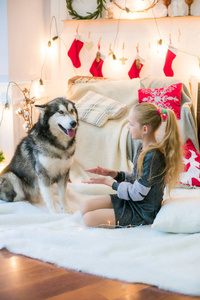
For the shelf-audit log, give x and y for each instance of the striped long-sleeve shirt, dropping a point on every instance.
(145, 193)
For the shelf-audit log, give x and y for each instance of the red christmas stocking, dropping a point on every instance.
(136, 67)
(74, 52)
(96, 67)
(171, 54)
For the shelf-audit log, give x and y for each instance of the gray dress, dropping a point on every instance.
(138, 200)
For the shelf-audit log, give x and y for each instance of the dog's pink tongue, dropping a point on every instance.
(71, 132)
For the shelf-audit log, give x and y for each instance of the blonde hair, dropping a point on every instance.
(170, 145)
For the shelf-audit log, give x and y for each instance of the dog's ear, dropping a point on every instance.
(70, 106)
(42, 108)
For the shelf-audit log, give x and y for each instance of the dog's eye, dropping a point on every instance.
(61, 112)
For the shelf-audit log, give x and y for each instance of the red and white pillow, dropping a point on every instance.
(191, 160)
(166, 97)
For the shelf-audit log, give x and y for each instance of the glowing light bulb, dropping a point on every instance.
(41, 86)
(2, 166)
(55, 38)
(161, 47)
(42, 89)
(114, 56)
(140, 5)
(7, 106)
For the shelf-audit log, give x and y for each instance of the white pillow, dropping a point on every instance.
(96, 109)
(179, 216)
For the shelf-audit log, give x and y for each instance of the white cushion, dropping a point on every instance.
(96, 109)
(179, 216)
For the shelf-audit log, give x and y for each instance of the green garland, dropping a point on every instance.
(1, 156)
(94, 15)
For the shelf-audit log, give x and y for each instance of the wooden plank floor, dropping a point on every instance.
(23, 278)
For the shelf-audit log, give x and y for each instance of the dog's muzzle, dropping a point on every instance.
(70, 131)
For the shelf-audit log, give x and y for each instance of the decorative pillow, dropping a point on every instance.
(166, 97)
(191, 160)
(179, 216)
(96, 109)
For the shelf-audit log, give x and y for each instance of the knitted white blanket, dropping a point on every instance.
(140, 254)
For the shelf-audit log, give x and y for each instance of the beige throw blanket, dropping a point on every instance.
(105, 146)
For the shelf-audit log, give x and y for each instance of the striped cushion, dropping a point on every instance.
(96, 109)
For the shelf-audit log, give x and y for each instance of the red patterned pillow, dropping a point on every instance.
(191, 160)
(166, 97)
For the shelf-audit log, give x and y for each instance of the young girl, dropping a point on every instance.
(140, 193)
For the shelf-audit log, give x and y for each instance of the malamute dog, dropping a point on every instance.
(43, 157)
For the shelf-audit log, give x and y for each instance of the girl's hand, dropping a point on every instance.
(99, 180)
(103, 171)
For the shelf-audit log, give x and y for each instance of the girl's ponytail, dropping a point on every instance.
(172, 145)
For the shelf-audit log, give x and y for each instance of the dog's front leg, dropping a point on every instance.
(47, 196)
(62, 186)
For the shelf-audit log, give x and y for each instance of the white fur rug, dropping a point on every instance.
(169, 261)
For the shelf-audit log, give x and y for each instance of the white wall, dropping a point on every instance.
(3, 42)
(27, 35)
(24, 32)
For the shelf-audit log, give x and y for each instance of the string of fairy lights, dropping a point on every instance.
(78, 226)
(160, 40)
(128, 10)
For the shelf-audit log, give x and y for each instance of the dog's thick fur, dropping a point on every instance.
(43, 157)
